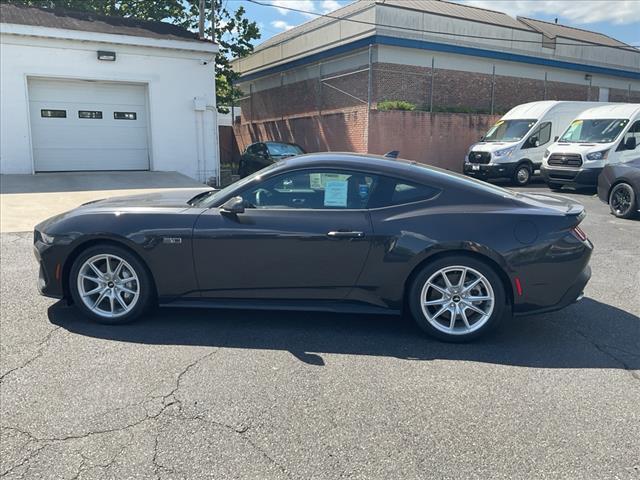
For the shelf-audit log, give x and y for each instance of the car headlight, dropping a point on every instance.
(546, 153)
(505, 152)
(601, 155)
(48, 239)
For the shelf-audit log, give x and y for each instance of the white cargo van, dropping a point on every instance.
(514, 146)
(598, 136)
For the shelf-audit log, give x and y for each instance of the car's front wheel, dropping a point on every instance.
(622, 201)
(110, 285)
(457, 298)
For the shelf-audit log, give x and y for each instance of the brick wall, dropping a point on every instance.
(439, 139)
(452, 90)
(338, 131)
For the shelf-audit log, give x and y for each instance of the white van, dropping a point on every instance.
(514, 146)
(598, 136)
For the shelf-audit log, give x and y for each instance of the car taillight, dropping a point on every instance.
(579, 234)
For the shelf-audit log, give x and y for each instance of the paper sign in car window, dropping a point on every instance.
(335, 193)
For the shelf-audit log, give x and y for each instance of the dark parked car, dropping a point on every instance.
(262, 154)
(619, 186)
(333, 232)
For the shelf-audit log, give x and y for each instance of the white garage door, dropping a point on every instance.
(88, 125)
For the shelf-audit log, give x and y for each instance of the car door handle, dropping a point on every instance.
(343, 234)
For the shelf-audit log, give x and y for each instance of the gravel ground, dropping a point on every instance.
(232, 394)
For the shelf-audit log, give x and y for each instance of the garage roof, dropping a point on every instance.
(91, 22)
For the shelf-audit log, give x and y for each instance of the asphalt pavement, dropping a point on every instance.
(189, 394)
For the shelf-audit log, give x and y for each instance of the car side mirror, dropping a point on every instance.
(482, 138)
(555, 139)
(630, 143)
(233, 206)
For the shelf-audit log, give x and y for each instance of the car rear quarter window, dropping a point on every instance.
(393, 191)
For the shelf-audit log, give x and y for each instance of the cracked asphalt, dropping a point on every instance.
(188, 394)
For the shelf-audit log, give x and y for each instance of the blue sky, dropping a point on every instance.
(617, 18)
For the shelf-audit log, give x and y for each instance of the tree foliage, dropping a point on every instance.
(233, 31)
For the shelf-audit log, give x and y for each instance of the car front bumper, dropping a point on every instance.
(50, 268)
(483, 172)
(576, 178)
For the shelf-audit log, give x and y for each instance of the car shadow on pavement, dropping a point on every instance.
(589, 334)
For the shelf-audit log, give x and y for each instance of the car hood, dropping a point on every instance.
(491, 146)
(163, 199)
(580, 148)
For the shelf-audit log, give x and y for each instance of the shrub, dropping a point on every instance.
(396, 105)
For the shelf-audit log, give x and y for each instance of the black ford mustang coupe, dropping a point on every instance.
(334, 232)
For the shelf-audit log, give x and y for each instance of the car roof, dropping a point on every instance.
(615, 111)
(357, 161)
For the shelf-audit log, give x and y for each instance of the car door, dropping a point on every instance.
(537, 142)
(302, 235)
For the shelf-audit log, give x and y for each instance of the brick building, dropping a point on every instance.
(320, 84)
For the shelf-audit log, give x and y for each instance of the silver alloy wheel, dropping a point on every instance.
(457, 300)
(108, 285)
(522, 175)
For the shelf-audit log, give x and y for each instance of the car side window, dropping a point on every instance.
(312, 189)
(542, 135)
(393, 191)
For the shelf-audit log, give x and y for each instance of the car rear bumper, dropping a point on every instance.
(483, 172)
(573, 294)
(576, 178)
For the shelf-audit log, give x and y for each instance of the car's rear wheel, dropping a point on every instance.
(622, 201)
(522, 175)
(457, 298)
(110, 285)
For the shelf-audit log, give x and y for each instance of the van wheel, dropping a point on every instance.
(622, 201)
(457, 299)
(522, 175)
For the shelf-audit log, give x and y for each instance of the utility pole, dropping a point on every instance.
(201, 19)
(213, 19)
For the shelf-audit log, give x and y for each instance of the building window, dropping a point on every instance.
(53, 113)
(124, 115)
(89, 114)
(548, 42)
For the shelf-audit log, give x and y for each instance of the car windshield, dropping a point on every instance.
(282, 149)
(509, 130)
(209, 198)
(604, 130)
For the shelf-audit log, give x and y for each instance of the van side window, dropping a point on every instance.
(631, 140)
(542, 134)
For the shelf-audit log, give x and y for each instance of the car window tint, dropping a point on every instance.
(312, 189)
(392, 191)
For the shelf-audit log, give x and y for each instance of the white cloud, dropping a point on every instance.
(329, 6)
(281, 25)
(304, 5)
(312, 6)
(578, 11)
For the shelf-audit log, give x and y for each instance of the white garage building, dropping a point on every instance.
(81, 92)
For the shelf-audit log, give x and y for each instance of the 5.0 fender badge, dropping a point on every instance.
(171, 240)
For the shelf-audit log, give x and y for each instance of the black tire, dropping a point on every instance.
(623, 201)
(497, 312)
(145, 288)
(556, 187)
(522, 174)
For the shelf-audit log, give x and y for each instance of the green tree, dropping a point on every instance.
(233, 31)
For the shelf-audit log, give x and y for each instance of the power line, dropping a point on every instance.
(460, 35)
